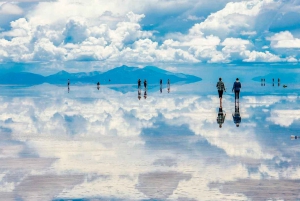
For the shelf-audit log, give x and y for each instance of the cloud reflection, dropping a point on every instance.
(93, 143)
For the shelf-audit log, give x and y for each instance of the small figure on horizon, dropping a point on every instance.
(221, 87)
(273, 79)
(278, 80)
(98, 85)
(169, 85)
(236, 89)
(109, 80)
(139, 83)
(221, 117)
(160, 83)
(68, 85)
(284, 86)
(145, 84)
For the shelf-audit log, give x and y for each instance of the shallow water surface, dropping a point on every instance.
(107, 144)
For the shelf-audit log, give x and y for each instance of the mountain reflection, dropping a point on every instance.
(109, 145)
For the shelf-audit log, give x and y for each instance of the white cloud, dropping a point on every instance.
(284, 117)
(114, 34)
(10, 9)
(255, 56)
(284, 39)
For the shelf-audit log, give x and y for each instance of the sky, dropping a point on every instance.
(157, 32)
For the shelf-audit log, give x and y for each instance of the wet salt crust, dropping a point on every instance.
(107, 144)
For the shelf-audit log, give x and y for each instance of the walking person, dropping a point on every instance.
(98, 85)
(221, 87)
(236, 89)
(139, 83)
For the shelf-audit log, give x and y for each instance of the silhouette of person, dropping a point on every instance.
(145, 84)
(221, 87)
(68, 89)
(237, 116)
(145, 94)
(236, 88)
(98, 85)
(221, 117)
(278, 80)
(139, 94)
(139, 83)
(160, 82)
(169, 85)
(68, 82)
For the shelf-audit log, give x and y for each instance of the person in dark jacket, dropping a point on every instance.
(221, 88)
(139, 83)
(236, 89)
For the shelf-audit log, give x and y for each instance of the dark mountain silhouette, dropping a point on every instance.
(118, 75)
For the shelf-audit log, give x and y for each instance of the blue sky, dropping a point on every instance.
(159, 32)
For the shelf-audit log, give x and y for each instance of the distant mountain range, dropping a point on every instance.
(118, 75)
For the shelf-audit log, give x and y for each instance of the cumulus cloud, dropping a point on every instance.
(116, 34)
(11, 9)
(284, 39)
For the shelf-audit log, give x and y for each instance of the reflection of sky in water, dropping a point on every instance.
(109, 145)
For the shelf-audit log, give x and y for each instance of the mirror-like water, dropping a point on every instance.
(107, 144)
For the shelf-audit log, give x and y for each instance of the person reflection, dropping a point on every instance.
(139, 94)
(160, 89)
(68, 89)
(221, 117)
(145, 94)
(169, 86)
(236, 115)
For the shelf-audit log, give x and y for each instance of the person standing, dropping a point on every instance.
(236, 89)
(221, 87)
(139, 83)
(145, 84)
